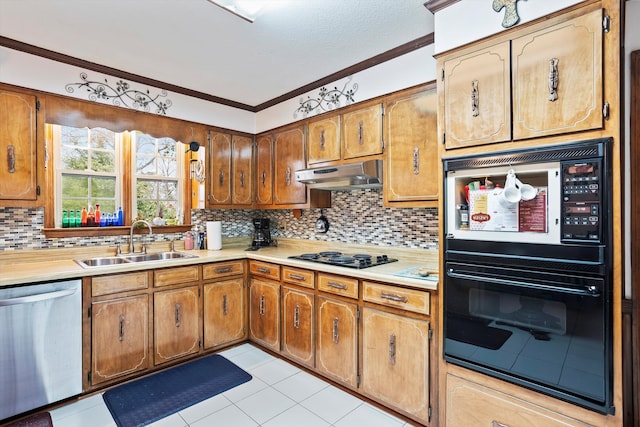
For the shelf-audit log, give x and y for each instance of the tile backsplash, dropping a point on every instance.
(356, 217)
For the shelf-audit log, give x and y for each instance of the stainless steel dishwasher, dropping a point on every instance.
(40, 345)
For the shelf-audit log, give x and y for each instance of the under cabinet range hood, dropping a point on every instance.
(348, 176)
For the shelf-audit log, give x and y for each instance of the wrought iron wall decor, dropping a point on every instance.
(122, 94)
(326, 100)
(511, 17)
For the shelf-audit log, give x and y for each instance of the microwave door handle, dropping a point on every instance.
(589, 291)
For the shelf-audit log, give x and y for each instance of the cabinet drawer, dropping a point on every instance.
(298, 277)
(264, 269)
(222, 269)
(104, 285)
(393, 296)
(471, 404)
(176, 275)
(345, 286)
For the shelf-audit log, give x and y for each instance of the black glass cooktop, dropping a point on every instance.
(346, 260)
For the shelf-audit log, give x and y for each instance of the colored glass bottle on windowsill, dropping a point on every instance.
(65, 220)
(83, 217)
(98, 216)
(120, 216)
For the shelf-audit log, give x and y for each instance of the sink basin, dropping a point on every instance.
(101, 262)
(160, 256)
(123, 259)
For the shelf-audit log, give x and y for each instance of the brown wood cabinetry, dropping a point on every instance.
(298, 325)
(337, 340)
(550, 89)
(224, 312)
(17, 147)
(362, 131)
(176, 317)
(289, 156)
(395, 361)
(412, 154)
(471, 404)
(264, 313)
(264, 170)
(230, 174)
(323, 140)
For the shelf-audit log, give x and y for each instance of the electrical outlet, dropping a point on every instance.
(282, 226)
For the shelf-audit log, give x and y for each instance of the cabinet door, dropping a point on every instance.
(323, 140)
(219, 169)
(17, 146)
(119, 337)
(395, 361)
(362, 132)
(242, 156)
(573, 66)
(289, 157)
(176, 323)
(264, 168)
(224, 312)
(337, 340)
(412, 148)
(297, 325)
(264, 313)
(477, 97)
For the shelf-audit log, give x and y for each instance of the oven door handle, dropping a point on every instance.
(589, 291)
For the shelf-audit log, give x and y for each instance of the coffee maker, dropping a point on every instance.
(261, 232)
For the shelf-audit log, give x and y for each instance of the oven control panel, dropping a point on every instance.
(582, 201)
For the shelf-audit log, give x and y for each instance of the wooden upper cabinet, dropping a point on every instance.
(412, 148)
(289, 156)
(242, 170)
(219, 169)
(477, 97)
(264, 170)
(17, 146)
(557, 78)
(323, 140)
(362, 132)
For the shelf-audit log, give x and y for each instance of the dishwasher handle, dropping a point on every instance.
(37, 297)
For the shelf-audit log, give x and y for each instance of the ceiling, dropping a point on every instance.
(196, 45)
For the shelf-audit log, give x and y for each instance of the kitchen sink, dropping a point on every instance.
(123, 259)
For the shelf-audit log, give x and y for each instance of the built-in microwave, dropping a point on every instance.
(565, 202)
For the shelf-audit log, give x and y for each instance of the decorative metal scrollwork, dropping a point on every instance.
(326, 100)
(475, 99)
(122, 94)
(553, 79)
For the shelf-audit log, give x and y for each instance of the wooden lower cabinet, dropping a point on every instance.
(264, 313)
(395, 361)
(224, 312)
(471, 404)
(298, 326)
(176, 318)
(120, 337)
(337, 340)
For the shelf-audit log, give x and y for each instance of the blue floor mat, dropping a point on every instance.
(149, 399)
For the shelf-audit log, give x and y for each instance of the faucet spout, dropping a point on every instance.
(133, 226)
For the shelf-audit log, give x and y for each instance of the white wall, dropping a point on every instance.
(632, 42)
(470, 20)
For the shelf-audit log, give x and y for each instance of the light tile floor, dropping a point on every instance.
(279, 395)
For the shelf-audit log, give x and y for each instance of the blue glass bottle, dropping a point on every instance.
(120, 216)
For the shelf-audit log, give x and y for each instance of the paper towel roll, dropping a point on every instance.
(214, 235)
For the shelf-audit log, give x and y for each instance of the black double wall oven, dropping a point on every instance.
(527, 284)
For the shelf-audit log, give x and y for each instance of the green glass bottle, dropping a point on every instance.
(65, 219)
(78, 219)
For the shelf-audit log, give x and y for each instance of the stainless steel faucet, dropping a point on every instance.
(133, 225)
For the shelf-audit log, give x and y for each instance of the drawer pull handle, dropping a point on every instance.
(287, 176)
(11, 159)
(178, 315)
(553, 79)
(360, 133)
(264, 178)
(322, 140)
(335, 330)
(262, 309)
(224, 304)
(495, 423)
(337, 285)
(392, 349)
(221, 178)
(296, 317)
(224, 270)
(263, 270)
(393, 297)
(242, 179)
(297, 277)
(416, 161)
(121, 326)
(475, 98)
